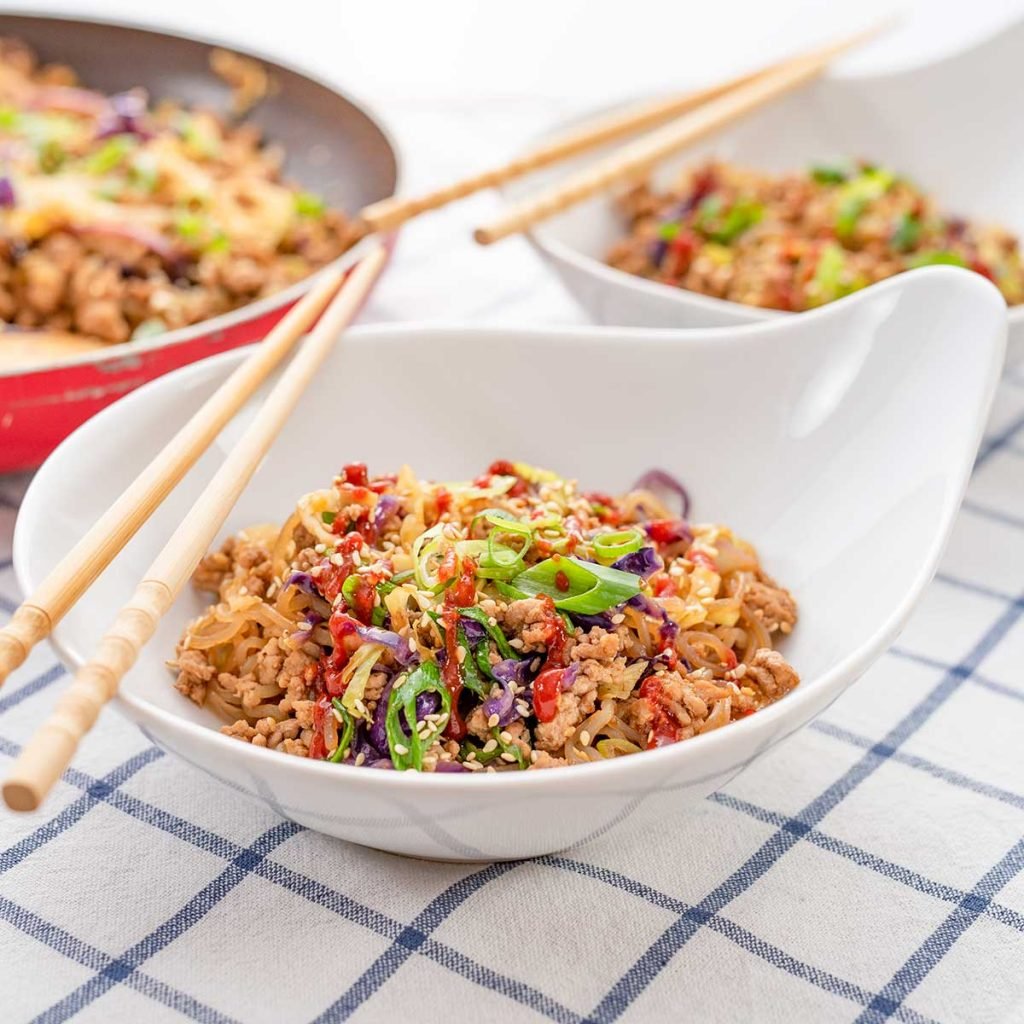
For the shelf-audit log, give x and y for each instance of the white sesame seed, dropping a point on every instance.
(491, 744)
(509, 757)
(320, 549)
(338, 715)
(491, 620)
(412, 642)
(533, 756)
(471, 756)
(616, 619)
(506, 736)
(472, 765)
(493, 721)
(401, 749)
(516, 643)
(585, 738)
(490, 768)
(460, 654)
(360, 758)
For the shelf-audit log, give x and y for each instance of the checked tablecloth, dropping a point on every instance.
(869, 868)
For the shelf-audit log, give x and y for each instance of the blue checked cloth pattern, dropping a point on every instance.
(871, 868)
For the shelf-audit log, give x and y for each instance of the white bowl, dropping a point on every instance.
(952, 126)
(839, 441)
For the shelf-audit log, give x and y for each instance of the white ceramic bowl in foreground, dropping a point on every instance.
(952, 126)
(840, 442)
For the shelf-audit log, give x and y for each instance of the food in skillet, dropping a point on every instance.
(797, 241)
(121, 218)
(507, 623)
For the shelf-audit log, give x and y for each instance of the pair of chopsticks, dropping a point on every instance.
(336, 301)
(690, 117)
(49, 751)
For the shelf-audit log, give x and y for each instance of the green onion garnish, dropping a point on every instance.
(577, 586)
(407, 749)
(907, 233)
(110, 154)
(941, 257)
(328, 517)
(830, 174)
(609, 547)
(478, 615)
(345, 739)
(309, 204)
(741, 216)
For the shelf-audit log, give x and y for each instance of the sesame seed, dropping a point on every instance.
(360, 706)
(320, 549)
(491, 744)
(491, 620)
(472, 765)
(338, 715)
(493, 721)
(337, 559)
(490, 768)
(585, 738)
(412, 643)
(506, 736)
(360, 758)
(516, 643)
(471, 756)
(509, 757)
(460, 654)
(401, 749)
(616, 619)
(533, 756)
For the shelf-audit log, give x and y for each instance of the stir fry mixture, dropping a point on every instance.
(507, 623)
(797, 241)
(123, 218)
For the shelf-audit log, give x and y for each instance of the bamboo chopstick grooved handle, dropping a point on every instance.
(52, 747)
(71, 577)
(27, 627)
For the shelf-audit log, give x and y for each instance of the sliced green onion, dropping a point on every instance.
(942, 257)
(328, 517)
(831, 174)
(110, 154)
(586, 588)
(309, 204)
(386, 586)
(856, 194)
(345, 739)
(609, 547)
(669, 231)
(426, 547)
(485, 757)
(349, 588)
(907, 233)
(740, 217)
(469, 669)
(423, 678)
(831, 279)
(478, 615)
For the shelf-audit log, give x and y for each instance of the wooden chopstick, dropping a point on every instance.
(50, 750)
(638, 157)
(395, 210)
(35, 618)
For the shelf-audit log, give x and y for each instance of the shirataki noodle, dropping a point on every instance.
(509, 622)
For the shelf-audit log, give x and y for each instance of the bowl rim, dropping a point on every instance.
(794, 710)
(128, 350)
(683, 297)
